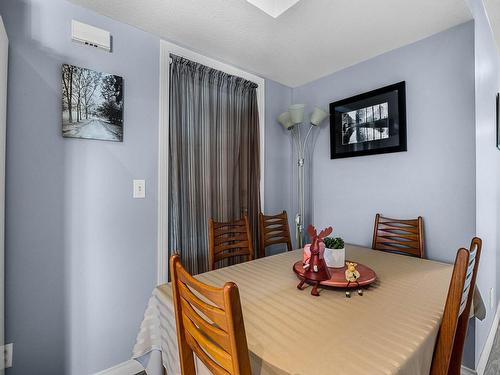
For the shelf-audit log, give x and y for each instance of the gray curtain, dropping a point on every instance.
(213, 156)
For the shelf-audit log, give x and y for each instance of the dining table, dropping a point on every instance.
(390, 329)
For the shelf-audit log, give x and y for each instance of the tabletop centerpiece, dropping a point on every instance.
(324, 264)
(315, 268)
(334, 252)
(352, 275)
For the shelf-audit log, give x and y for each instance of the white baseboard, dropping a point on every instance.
(483, 359)
(130, 367)
(467, 371)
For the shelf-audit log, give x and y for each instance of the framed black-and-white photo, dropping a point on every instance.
(92, 104)
(370, 123)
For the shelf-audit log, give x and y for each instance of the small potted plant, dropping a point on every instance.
(334, 252)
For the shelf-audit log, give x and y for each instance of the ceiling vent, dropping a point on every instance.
(273, 7)
(90, 35)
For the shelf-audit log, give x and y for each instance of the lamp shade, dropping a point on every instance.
(285, 120)
(296, 113)
(318, 116)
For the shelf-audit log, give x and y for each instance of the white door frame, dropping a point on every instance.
(167, 48)
(4, 51)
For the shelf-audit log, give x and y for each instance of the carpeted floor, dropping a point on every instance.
(493, 365)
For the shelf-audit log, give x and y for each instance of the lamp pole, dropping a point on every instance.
(300, 145)
(292, 121)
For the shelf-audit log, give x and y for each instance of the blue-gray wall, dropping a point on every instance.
(435, 178)
(278, 182)
(487, 164)
(80, 252)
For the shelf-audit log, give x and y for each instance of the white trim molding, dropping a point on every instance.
(485, 354)
(166, 49)
(162, 251)
(130, 367)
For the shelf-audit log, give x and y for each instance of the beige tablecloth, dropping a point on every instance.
(391, 329)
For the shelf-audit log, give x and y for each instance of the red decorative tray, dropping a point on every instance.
(337, 279)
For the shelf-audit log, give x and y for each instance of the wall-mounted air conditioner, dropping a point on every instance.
(90, 35)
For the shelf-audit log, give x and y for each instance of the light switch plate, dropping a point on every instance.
(139, 189)
(6, 355)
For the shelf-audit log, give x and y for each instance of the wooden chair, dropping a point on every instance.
(220, 342)
(399, 236)
(273, 230)
(447, 358)
(229, 240)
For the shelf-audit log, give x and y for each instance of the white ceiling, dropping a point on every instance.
(273, 7)
(310, 40)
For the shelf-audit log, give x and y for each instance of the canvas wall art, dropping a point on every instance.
(92, 104)
(370, 123)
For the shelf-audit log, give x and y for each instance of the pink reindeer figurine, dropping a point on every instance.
(316, 269)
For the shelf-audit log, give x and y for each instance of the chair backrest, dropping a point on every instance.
(399, 236)
(447, 358)
(229, 240)
(217, 335)
(273, 230)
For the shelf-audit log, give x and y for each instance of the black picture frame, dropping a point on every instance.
(370, 123)
(498, 119)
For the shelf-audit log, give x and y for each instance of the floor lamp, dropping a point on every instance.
(292, 120)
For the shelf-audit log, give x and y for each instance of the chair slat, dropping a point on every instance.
(273, 230)
(276, 235)
(212, 366)
(232, 239)
(224, 238)
(244, 244)
(233, 230)
(232, 254)
(276, 239)
(273, 226)
(399, 235)
(412, 222)
(208, 291)
(209, 329)
(276, 232)
(401, 230)
(399, 250)
(386, 240)
(216, 334)
(213, 313)
(220, 356)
